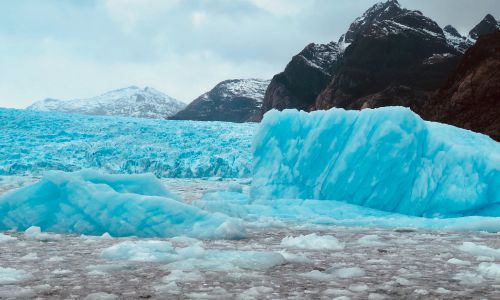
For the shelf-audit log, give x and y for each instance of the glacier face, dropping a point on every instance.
(388, 159)
(33, 142)
(88, 202)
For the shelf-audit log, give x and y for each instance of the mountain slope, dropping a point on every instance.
(131, 102)
(388, 56)
(396, 57)
(487, 26)
(237, 100)
(471, 97)
(303, 78)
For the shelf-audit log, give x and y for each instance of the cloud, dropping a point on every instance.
(281, 7)
(130, 13)
(75, 49)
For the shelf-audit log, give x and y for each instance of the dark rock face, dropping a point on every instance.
(238, 100)
(487, 26)
(394, 56)
(398, 60)
(471, 97)
(303, 79)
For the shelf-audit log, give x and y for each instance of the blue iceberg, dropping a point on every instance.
(387, 159)
(88, 202)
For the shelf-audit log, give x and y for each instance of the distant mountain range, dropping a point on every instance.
(237, 100)
(131, 101)
(389, 56)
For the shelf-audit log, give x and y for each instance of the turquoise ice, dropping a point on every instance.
(388, 159)
(88, 202)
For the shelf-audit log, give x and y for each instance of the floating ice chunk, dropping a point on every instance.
(193, 257)
(143, 251)
(388, 159)
(295, 257)
(36, 234)
(458, 262)
(16, 292)
(371, 241)
(6, 238)
(312, 242)
(318, 276)
(480, 250)
(10, 275)
(489, 270)
(344, 273)
(182, 276)
(442, 290)
(358, 287)
(469, 278)
(92, 203)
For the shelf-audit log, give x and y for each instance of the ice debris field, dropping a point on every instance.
(228, 205)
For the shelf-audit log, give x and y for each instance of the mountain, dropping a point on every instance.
(471, 97)
(131, 102)
(487, 26)
(388, 56)
(237, 100)
(396, 57)
(303, 78)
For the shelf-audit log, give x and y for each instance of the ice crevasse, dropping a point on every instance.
(387, 159)
(89, 202)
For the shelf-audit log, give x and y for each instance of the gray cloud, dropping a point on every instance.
(68, 49)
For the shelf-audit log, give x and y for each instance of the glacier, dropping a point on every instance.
(387, 159)
(91, 203)
(34, 142)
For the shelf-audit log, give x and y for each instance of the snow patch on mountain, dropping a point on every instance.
(131, 102)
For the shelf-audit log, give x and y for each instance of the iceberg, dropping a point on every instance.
(387, 159)
(92, 203)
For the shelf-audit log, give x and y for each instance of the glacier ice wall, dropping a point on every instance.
(87, 202)
(388, 159)
(34, 142)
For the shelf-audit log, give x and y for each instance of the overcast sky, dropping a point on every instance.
(81, 48)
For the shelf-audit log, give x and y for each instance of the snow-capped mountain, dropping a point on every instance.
(488, 25)
(388, 56)
(237, 100)
(131, 102)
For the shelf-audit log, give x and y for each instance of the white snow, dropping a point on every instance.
(131, 102)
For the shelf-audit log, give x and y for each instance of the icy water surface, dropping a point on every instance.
(279, 261)
(400, 264)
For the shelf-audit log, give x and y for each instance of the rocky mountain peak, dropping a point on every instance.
(488, 25)
(452, 31)
(378, 12)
